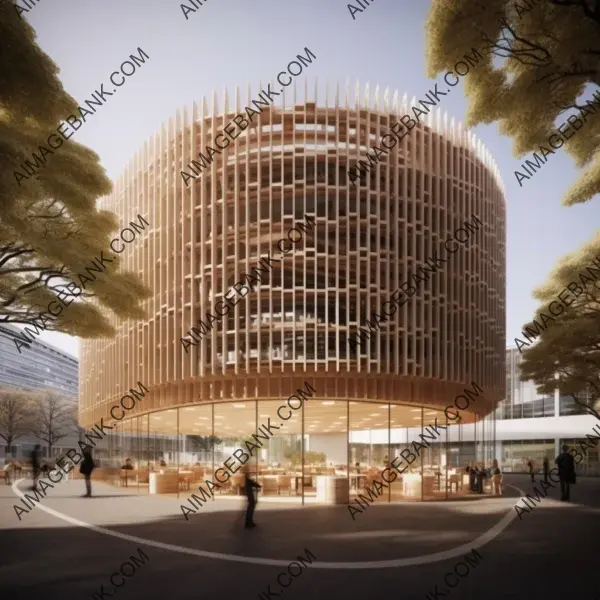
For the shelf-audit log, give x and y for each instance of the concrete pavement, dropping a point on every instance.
(76, 544)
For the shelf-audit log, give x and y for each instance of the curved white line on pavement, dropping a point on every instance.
(482, 540)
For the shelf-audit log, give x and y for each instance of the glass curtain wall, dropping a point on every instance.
(197, 445)
(399, 422)
(280, 463)
(325, 451)
(369, 446)
(516, 454)
(234, 425)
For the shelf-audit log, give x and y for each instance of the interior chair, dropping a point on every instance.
(269, 485)
(285, 484)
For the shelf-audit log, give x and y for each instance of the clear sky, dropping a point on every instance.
(235, 42)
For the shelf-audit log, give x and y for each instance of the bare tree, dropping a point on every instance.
(54, 417)
(14, 414)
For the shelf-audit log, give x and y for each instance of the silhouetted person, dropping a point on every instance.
(36, 464)
(249, 486)
(481, 476)
(546, 468)
(474, 478)
(128, 465)
(86, 468)
(531, 471)
(566, 473)
(471, 473)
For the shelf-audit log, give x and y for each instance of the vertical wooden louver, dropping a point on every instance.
(367, 240)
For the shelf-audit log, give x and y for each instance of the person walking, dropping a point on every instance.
(531, 471)
(566, 473)
(36, 465)
(496, 478)
(249, 486)
(546, 468)
(8, 468)
(86, 468)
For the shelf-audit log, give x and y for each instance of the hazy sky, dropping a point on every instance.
(235, 42)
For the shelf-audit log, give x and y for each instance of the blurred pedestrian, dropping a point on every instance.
(546, 468)
(8, 468)
(566, 473)
(471, 473)
(531, 470)
(86, 468)
(482, 475)
(249, 486)
(496, 478)
(36, 457)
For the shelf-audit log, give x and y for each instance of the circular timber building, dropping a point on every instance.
(324, 252)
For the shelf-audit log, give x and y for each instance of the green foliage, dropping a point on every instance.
(203, 443)
(570, 345)
(548, 54)
(15, 413)
(53, 417)
(50, 227)
(310, 458)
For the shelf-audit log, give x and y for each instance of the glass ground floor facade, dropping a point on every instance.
(517, 453)
(176, 450)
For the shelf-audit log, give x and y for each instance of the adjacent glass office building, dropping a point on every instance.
(531, 426)
(37, 368)
(371, 400)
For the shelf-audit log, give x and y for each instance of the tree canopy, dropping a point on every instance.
(53, 418)
(50, 227)
(15, 422)
(543, 56)
(570, 345)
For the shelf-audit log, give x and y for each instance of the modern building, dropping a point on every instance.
(225, 377)
(41, 367)
(531, 426)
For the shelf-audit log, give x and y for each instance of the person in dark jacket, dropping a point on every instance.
(482, 475)
(128, 465)
(566, 473)
(531, 471)
(249, 486)
(476, 477)
(471, 472)
(86, 468)
(36, 466)
(546, 469)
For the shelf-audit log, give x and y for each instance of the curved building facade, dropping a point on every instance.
(272, 271)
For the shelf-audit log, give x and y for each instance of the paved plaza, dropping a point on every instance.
(68, 546)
